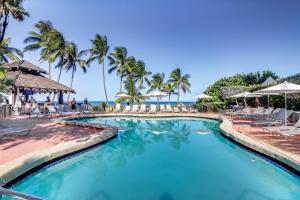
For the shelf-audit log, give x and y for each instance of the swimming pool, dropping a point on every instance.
(165, 159)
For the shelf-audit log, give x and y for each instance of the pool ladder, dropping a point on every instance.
(17, 195)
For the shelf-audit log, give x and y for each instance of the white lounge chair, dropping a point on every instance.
(184, 110)
(191, 110)
(277, 119)
(153, 109)
(135, 109)
(162, 108)
(169, 108)
(118, 108)
(127, 109)
(143, 108)
(176, 110)
(285, 128)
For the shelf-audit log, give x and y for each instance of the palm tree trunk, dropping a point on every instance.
(4, 26)
(121, 82)
(58, 79)
(59, 75)
(169, 98)
(49, 71)
(104, 85)
(71, 85)
(178, 95)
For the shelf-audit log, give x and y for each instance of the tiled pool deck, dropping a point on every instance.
(285, 149)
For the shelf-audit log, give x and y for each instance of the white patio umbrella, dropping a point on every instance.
(282, 88)
(203, 96)
(245, 95)
(122, 95)
(158, 94)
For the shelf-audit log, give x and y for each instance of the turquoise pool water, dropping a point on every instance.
(163, 159)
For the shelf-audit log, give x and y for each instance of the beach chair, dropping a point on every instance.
(52, 111)
(153, 109)
(183, 109)
(118, 108)
(192, 110)
(169, 108)
(284, 128)
(162, 108)
(135, 109)
(277, 119)
(127, 109)
(176, 110)
(143, 108)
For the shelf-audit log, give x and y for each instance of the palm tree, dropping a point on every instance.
(157, 82)
(8, 53)
(118, 60)
(72, 59)
(180, 81)
(141, 75)
(5, 83)
(169, 89)
(9, 8)
(98, 52)
(130, 87)
(41, 39)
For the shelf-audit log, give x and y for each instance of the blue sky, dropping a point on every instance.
(208, 39)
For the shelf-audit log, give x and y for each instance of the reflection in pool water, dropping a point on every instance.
(165, 159)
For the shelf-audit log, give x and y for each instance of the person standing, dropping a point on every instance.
(85, 104)
(46, 104)
(73, 104)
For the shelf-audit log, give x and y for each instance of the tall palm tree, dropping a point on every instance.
(8, 53)
(157, 82)
(9, 8)
(180, 81)
(72, 60)
(141, 75)
(118, 60)
(169, 89)
(41, 40)
(98, 52)
(56, 46)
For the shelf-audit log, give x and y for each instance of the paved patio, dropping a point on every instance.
(286, 143)
(44, 134)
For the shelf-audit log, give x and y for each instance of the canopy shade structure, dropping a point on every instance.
(24, 66)
(285, 87)
(122, 95)
(203, 96)
(36, 82)
(246, 95)
(282, 88)
(31, 79)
